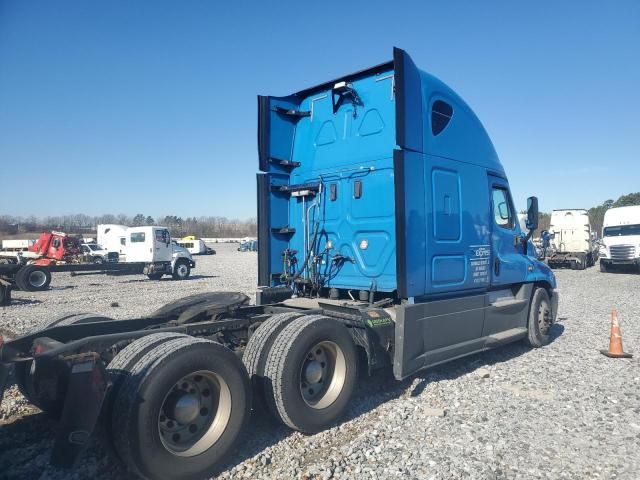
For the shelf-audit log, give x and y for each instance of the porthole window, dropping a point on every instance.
(441, 113)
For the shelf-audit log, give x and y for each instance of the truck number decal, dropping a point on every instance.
(479, 263)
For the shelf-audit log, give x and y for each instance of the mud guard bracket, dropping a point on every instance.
(86, 391)
(4, 374)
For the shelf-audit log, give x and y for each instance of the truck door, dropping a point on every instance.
(162, 250)
(508, 264)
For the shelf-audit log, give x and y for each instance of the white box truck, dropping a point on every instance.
(572, 241)
(620, 243)
(148, 245)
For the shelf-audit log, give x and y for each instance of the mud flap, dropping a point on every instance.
(4, 375)
(85, 394)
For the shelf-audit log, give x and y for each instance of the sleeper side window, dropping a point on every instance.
(441, 113)
(502, 212)
(137, 237)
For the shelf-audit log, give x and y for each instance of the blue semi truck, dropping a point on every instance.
(388, 239)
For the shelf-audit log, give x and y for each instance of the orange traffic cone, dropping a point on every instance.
(615, 342)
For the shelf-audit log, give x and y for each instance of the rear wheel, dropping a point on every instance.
(120, 368)
(33, 278)
(181, 410)
(181, 270)
(255, 355)
(540, 319)
(311, 373)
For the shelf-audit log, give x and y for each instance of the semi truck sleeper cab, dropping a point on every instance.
(384, 184)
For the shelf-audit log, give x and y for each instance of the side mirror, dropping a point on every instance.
(532, 213)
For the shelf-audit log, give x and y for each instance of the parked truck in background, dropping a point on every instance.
(620, 243)
(148, 245)
(95, 253)
(573, 243)
(146, 250)
(388, 238)
(16, 245)
(195, 246)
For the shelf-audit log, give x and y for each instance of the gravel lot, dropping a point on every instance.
(563, 411)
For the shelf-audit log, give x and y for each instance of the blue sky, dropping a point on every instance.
(127, 107)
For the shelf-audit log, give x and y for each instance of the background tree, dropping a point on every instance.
(138, 220)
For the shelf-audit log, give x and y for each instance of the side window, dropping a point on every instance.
(441, 113)
(137, 237)
(502, 213)
(162, 236)
(56, 243)
(123, 241)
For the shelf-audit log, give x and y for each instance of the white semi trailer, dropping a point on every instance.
(620, 238)
(572, 241)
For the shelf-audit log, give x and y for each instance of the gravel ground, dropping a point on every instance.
(563, 411)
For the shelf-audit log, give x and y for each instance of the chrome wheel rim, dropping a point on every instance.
(544, 317)
(37, 278)
(322, 374)
(195, 413)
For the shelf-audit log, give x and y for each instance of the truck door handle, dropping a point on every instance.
(496, 266)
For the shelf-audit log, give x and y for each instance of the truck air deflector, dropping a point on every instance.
(277, 118)
(263, 229)
(409, 111)
(410, 223)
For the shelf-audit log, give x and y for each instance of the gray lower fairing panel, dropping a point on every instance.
(430, 333)
(427, 333)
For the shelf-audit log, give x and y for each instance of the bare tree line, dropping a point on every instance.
(86, 224)
(215, 226)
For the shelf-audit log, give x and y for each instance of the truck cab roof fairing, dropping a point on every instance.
(463, 139)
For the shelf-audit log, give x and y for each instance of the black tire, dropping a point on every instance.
(173, 310)
(33, 278)
(98, 260)
(27, 378)
(181, 270)
(540, 319)
(603, 267)
(155, 276)
(5, 295)
(120, 368)
(121, 365)
(138, 410)
(285, 383)
(257, 351)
